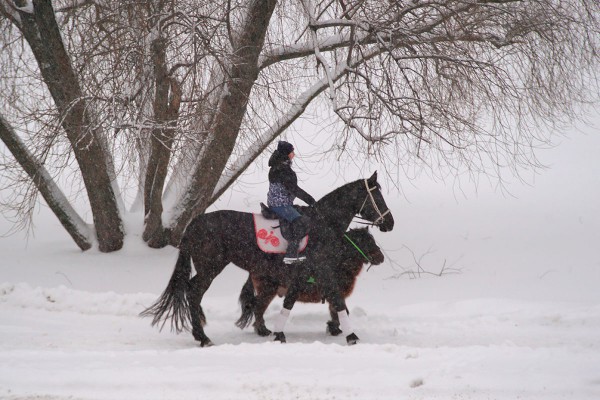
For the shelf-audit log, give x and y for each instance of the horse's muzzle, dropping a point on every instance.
(377, 258)
(387, 225)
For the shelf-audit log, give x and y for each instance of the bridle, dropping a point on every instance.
(369, 196)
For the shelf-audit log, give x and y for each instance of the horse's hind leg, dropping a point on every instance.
(290, 299)
(199, 284)
(333, 325)
(198, 288)
(265, 294)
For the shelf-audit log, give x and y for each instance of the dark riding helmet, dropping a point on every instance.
(285, 147)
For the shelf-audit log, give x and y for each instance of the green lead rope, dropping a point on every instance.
(357, 248)
(312, 279)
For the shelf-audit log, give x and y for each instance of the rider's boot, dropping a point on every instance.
(299, 229)
(291, 254)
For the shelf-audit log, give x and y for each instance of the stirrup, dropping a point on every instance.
(293, 259)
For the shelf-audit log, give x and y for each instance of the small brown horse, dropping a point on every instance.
(359, 248)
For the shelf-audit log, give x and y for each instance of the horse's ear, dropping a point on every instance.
(373, 178)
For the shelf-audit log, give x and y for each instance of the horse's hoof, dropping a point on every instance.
(333, 329)
(279, 337)
(206, 343)
(262, 331)
(352, 339)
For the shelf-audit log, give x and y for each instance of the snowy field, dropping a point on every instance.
(515, 313)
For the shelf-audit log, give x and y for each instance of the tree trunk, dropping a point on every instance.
(166, 110)
(226, 124)
(42, 33)
(54, 197)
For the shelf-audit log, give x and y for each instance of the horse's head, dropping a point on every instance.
(373, 208)
(362, 241)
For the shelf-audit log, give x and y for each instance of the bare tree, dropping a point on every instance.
(180, 97)
(39, 28)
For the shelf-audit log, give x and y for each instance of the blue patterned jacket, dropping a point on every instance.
(283, 183)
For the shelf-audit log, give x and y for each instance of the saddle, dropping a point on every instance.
(273, 234)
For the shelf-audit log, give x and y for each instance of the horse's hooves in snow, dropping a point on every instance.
(206, 343)
(352, 339)
(279, 337)
(262, 331)
(333, 329)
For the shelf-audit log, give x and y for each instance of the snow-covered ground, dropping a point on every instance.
(514, 315)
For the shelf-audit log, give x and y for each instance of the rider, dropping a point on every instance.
(283, 189)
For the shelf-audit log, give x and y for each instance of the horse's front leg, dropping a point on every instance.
(336, 300)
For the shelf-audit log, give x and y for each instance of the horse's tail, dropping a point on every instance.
(173, 303)
(247, 302)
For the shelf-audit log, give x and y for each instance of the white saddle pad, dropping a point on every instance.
(269, 238)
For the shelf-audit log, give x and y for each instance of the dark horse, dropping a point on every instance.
(215, 239)
(359, 248)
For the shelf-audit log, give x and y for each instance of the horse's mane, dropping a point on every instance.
(364, 229)
(338, 192)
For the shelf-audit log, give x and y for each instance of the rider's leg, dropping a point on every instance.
(298, 225)
(299, 229)
(291, 253)
(289, 213)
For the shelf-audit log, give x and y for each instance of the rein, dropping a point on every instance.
(369, 223)
(357, 248)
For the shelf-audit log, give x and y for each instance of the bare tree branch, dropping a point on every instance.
(56, 200)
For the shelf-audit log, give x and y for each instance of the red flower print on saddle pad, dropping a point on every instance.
(269, 238)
